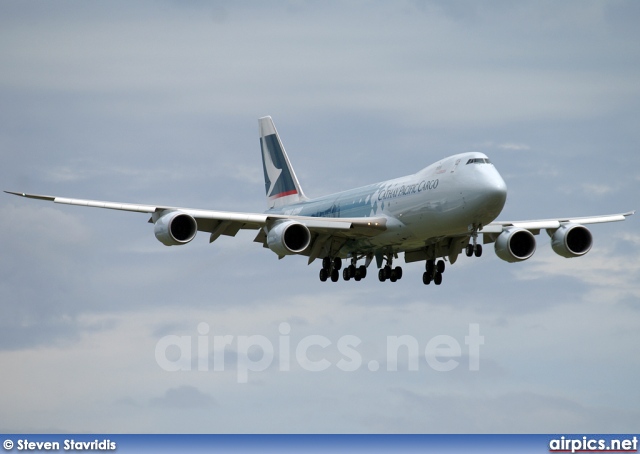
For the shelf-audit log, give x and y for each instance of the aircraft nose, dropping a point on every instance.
(495, 191)
(488, 194)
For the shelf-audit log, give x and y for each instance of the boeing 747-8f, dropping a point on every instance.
(430, 216)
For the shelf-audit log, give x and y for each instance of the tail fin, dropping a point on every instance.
(281, 183)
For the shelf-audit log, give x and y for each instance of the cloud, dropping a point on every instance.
(632, 238)
(514, 146)
(597, 189)
(136, 103)
(511, 412)
(184, 397)
(609, 277)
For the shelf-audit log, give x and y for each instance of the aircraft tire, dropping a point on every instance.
(430, 267)
(440, 267)
(437, 279)
(478, 251)
(426, 278)
(323, 275)
(469, 250)
(382, 275)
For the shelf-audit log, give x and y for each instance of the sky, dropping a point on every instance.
(156, 102)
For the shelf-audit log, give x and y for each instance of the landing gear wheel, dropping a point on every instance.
(323, 275)
(362, 270)
(437, 279)
(382, 275)
(469, 250)
(387, 272)
(478, 250)
(326, 263)
(337, 263)
(352, 270)
(346, 275)
(335, 275)
(398, 272)
(426, 278)
(394, 276)
(431, 266)
(440, 266)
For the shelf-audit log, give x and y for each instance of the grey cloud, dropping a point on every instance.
(184, 397)
(141, 103)
(514, 412)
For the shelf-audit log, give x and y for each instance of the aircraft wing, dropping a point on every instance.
(229, 223)
(536, 225)
(452, 246)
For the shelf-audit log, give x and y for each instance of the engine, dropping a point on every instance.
(288, 237)
(175, 228)
(571, 240)
(515, 245)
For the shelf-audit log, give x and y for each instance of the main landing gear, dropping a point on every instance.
(354, 272)
(390, 273)
(330, 269)
(434, 272)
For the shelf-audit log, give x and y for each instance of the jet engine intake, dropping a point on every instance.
(175, 228)
(571, 240)
(288, 237)
(515, 245)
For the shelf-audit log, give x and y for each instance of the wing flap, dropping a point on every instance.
(345, 227)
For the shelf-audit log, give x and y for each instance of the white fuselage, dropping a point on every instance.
(450, 197)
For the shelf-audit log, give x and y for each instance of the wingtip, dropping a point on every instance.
(32, 196)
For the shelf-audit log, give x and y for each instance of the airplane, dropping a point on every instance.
(431, 216)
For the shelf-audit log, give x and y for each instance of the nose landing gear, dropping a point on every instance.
(474, 248)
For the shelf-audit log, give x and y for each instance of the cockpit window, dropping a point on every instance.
(478, 161)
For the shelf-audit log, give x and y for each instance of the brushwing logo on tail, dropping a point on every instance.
(277, 176)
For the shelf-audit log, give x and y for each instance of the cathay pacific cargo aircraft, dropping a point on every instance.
(430, 216)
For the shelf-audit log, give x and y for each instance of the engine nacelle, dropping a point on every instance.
(571, 240)
(288, 237)
(175, 228)
(515, 245)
